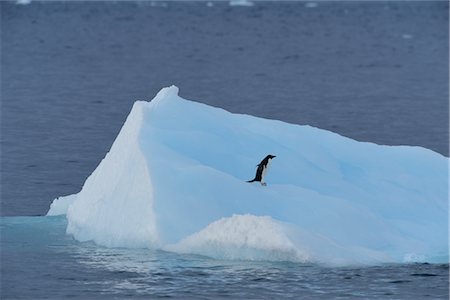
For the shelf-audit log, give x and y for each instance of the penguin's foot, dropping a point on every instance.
(263, 183)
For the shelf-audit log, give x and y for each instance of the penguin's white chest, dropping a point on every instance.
(265, 169)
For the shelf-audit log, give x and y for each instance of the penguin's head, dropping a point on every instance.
(270, 156)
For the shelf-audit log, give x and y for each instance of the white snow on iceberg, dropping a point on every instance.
(175, 177)
(242, 237)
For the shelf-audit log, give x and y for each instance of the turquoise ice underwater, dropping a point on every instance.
(175, 179)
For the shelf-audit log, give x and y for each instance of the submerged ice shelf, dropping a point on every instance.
(175, 179)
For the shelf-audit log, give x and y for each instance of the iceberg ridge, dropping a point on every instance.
(175, 179)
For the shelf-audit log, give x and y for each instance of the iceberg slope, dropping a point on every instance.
(115, 207)
(175, 179)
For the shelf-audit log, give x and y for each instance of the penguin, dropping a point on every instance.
(262, 170)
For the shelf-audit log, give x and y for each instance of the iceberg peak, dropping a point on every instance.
(167, 92)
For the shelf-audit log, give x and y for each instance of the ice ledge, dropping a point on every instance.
(61, 204)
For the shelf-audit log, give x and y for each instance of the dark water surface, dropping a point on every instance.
(39, 261)
(373, 71)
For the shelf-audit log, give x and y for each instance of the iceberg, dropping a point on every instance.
(241, 3)
(23, 2)
(175, 179)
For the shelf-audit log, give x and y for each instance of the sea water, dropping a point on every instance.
(373, 71)
(39, 261)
